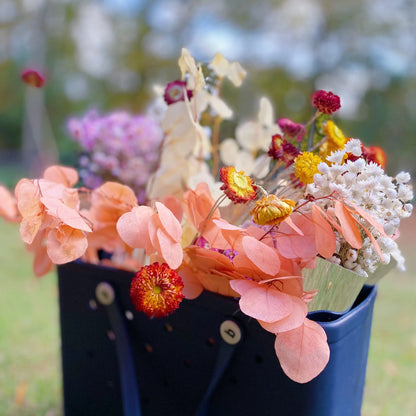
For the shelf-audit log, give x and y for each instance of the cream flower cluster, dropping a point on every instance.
(188, 145)
(365, 184)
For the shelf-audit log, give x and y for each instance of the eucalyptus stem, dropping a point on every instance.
(217, 203)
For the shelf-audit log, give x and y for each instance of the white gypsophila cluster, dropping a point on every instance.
(365, 184)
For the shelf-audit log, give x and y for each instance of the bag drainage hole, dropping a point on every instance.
(148, 348)
(92, 304)
(129, 315)
(210, 342)
(168, 327)
(258, 358)
(187, 363)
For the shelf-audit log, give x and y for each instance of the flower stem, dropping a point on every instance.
(217, 203)
(216, 135)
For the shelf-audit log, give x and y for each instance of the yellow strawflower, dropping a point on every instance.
(306, 165)
(271, 210)
(335, 139)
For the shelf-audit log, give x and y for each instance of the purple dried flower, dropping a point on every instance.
(117, 146)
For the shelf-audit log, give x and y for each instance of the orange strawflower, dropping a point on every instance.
(271, 210)
(156, 290)
(237, 186)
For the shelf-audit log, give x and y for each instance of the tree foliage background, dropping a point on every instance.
(107, 54)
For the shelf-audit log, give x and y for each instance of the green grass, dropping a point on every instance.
(391, 366)
(29, 338)
(29, 333)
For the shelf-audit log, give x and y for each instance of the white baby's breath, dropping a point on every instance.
(366, 184)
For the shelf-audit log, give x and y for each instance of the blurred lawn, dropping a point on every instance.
(30, 383)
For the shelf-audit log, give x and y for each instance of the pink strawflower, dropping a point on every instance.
(33, 78)
(326, 102)
(291, 129)
(175, 91)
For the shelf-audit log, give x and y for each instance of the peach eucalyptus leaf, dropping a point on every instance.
(303, 352)
(42, 264)
(225, 225)
(169, 222)
(133, 228)
(173, 204)
(241, 286)
(261, 255)
(61, 174)
(28, 198)
(294, 320)
(65, 244)
(331, 220)
(67, 215)
(266, 303)
(171, 251)
(192, 287)
(291, 244)
(324, 236)
(367, 217)
(29, 228)
(372, 239)
(293, 226)
(349, 229)
(8, 208)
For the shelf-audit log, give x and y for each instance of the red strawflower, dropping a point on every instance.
(175, 91)
(33, 78)
(156, 290)
(371, 154)
(280, 149)
(375, 154)
(326, 102)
